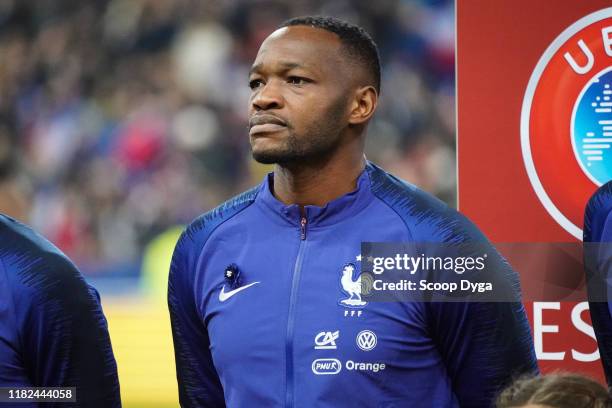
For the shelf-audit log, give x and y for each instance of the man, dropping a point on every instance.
(52, 329)
(597, 239)
(260, 313)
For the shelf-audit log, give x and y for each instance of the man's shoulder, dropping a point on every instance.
(33, 265)
(200, 229)
(400, 194)
(426, 217)
(601, 200)
(18, 236)
(597, 212)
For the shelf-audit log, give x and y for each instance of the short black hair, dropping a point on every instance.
(358, 43)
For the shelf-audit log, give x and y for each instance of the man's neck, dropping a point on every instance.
(316, 184)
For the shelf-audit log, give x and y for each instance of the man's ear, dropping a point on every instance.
(363, 106)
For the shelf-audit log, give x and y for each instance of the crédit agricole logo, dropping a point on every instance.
(566, 119)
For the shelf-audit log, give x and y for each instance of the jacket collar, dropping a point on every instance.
(333, 212)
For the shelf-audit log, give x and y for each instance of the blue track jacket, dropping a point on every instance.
(52, 329)
(598, 228)
(283, 337)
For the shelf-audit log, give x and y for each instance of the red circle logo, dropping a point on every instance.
(566, 119)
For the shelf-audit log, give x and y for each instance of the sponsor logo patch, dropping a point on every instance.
(326, 366)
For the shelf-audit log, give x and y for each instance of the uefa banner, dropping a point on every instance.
(534, 97)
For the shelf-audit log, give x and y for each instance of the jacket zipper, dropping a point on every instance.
(297, 270)
(303, 228)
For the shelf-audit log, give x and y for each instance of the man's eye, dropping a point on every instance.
(297, 80)
(255, 83)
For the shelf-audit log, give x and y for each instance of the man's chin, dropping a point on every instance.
(267, 157)
(287, 158)
(264, 159)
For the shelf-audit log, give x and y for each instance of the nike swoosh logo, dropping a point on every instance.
(223, 295)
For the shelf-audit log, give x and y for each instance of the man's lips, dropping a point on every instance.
(265, 124)
(266, 128)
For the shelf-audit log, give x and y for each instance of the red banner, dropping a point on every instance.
(535, 139)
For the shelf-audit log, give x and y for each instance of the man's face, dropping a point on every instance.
(299, 101)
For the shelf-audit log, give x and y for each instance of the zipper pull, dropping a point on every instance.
(303, 228)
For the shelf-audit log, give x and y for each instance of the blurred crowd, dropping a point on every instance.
(122, 118)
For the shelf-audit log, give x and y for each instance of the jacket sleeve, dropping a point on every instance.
(485, 345)
(598, 265)
(198, 382)
(597, 241)
(65, 334)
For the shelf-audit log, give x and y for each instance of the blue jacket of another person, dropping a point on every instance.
(52, 329)
(597, 237)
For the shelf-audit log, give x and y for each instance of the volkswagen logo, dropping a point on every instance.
(366, 340)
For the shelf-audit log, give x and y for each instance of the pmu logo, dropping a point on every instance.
(326, 366)
(566, 119)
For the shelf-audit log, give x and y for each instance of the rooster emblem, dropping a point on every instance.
(353, 287)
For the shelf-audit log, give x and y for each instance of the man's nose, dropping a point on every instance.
(268, 96)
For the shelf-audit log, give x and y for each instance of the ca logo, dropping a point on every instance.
(326, 340)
